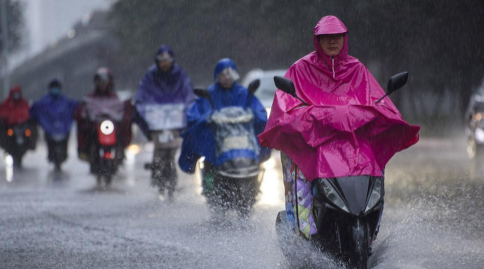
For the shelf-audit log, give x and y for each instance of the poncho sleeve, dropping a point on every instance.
(341, 132)
(197, 138)
(188, 89)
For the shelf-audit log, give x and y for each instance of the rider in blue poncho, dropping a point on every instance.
(198, 139)
(165, 82)
(54, 112)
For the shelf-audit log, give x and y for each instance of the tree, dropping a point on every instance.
(15, 25)
(438, 42)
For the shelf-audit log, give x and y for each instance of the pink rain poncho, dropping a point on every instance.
(342, 132)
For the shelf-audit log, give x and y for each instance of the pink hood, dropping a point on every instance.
(341, 132)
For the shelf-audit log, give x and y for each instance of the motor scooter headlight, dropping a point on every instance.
(107, 127)
(332, 195)
(479, 135)
(376, 194)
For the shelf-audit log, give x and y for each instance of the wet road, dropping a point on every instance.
(434, 217)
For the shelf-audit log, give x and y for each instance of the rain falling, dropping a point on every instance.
(241, 134)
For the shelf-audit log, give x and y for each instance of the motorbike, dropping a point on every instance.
(164, 123)
(475, 128)
(106, 154)
(235, 184)
(346, 210)
(105, 150)
(18, 139)
(57, 147)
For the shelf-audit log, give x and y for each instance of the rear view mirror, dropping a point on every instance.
(203, 93)
(253, 86)
(396, 82)
(285, 85)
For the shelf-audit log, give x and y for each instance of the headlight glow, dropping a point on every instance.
(375, 195)
(479, 135)
(332, 195)
(107, 127)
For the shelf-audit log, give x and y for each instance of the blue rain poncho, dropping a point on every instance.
(157, 87)
(54, 113)
(198, 139)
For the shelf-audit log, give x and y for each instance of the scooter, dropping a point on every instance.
(57, 147)
(475, 129)
(19, 138)
(104, 151)
(235, 184)
(164, 123)
(346, 210)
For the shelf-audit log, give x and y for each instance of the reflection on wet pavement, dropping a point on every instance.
(433, 216)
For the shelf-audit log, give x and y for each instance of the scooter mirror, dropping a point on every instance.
(396, 82)
(253, 86)
(285, 85)
(202, 93)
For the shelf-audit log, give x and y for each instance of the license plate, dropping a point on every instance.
(20, 141)
(236, 142)
(166, 137)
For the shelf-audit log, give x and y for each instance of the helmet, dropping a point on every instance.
(104, 74)
(55, 83)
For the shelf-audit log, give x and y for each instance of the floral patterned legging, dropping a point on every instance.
(293, 177)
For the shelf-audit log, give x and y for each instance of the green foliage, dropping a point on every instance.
(438, 42)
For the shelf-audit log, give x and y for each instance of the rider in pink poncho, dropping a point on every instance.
(341, 132)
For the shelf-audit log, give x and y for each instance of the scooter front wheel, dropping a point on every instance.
(107, 179)
(57, 165)
(358, 256)
(17, 160)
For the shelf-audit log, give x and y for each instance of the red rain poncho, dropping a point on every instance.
(14, 112)
(341, 132)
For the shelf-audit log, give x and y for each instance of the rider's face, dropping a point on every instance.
(226, 80)
(102, 85)
(165, 66)
(331, 44)
(16, 96)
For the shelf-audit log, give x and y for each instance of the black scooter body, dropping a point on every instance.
(19, 138)
(57, 147)
(347, 233)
